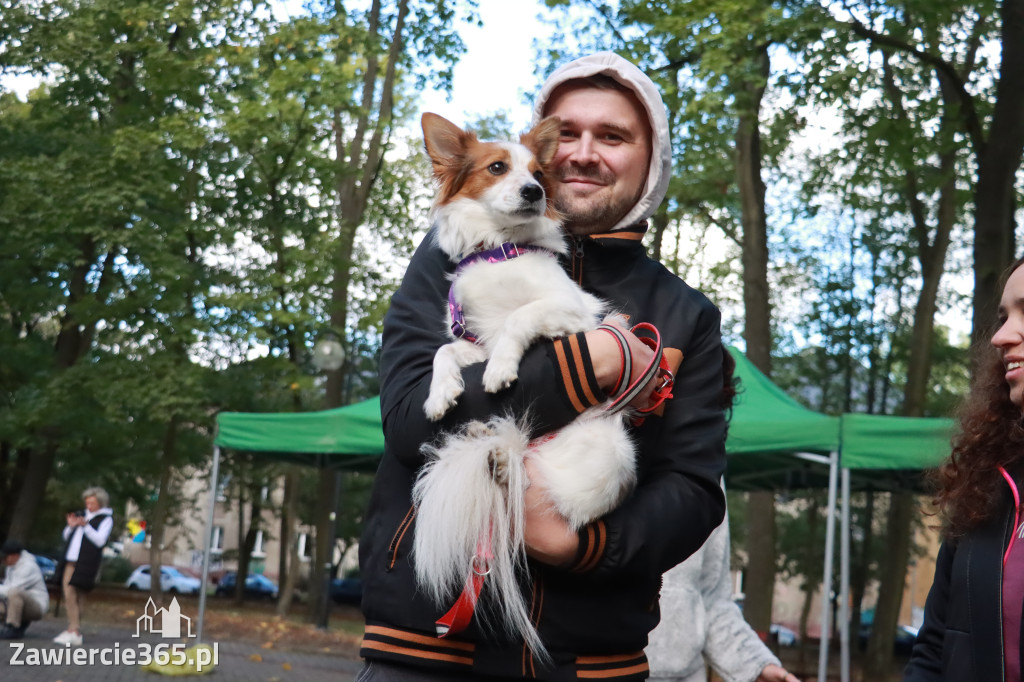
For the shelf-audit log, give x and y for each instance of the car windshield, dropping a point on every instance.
(172, 572)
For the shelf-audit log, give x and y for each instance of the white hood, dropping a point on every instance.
(624, 71)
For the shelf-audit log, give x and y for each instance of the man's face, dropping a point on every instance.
(11, 559)
(603, 156)
(92, 504)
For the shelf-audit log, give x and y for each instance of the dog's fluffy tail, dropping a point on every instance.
(469, 498)
(587, 467)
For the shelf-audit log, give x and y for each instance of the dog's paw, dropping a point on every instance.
(438, 403)
(479, 429)
(499, 461)
(499, 376)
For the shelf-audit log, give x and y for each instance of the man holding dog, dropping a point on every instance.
(594, 593)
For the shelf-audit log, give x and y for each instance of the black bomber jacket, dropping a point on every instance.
(593, 615)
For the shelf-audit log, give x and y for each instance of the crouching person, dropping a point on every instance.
(23, 595)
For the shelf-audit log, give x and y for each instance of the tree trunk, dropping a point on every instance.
(659, 222)
(247, 540)
(359, 160)
(998, 163)
(892, 582)
(73, 341)
(760, 583)
(859, 568)
(324, 554)
(157, 526)
(289, 578)
(30, 495)
(808, 587)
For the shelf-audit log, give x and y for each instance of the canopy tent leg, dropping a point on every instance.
(844, 580)
(826, 581)
(208, 543)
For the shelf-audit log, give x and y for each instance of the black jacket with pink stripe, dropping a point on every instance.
(594, 615)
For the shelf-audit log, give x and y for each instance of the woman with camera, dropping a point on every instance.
(86, 533)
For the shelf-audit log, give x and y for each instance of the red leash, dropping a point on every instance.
(459, 615)
(658, 369)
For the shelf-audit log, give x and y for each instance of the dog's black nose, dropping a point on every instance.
(532, 193)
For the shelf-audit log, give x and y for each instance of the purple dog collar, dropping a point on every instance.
(503, 252)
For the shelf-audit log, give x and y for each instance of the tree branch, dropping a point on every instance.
(943, 69)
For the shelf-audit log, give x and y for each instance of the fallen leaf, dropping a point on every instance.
(256, 657)
(286, 666)
(268, 645)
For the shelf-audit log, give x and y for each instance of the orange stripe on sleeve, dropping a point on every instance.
(577, 356)
(567, 377)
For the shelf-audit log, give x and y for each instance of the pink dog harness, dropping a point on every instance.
(503, 252)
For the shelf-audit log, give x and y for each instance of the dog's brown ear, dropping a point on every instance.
(446, 143)
(542, 139)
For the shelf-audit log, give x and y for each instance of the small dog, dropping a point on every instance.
(509, 290)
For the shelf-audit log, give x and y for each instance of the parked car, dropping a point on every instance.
(903, 640)
(48, 566)
(171, 580)
(783, 635)
(347, 591)
(256, 586)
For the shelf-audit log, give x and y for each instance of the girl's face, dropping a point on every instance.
(1009, 339)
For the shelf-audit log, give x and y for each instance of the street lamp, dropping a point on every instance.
(328, 353)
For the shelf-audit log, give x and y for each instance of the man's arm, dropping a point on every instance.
(678, 501)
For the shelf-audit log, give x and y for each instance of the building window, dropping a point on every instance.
(304, 546)
(257, 548)
(217, 544)
(222, 488)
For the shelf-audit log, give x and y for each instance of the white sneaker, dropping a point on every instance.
(68, 637)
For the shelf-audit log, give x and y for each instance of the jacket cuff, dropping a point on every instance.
(573, 364)
(593, 539)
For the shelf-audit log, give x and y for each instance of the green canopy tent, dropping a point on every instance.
(776, 443)
(767, 428)
(347, 437)
(890, 452)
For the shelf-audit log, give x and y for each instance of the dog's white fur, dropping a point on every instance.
(471, 488)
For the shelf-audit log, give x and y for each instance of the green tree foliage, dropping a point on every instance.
(169, 209)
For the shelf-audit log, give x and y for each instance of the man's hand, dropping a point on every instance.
(773, 673)
(548, 537)
(606, 358)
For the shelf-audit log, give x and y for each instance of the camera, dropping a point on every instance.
(79, 512)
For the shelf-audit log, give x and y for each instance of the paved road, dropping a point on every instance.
(244, 662)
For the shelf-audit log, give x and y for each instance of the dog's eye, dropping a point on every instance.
(497, 168)
(537, 175)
